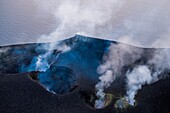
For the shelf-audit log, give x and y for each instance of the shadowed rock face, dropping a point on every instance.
(77, 66)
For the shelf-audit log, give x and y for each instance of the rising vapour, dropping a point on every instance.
(142, 75)
(120, 55)
(111, 67)
(139, 76)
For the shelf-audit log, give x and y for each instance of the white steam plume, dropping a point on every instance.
(139, 76)
(111, 67)
(121, 55)
(142, 75)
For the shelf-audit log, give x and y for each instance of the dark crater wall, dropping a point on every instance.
(19, 94)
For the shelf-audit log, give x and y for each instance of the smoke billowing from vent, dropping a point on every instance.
(120, 55)
(139, 76)
(113, 61)
(105, 80)
(142, 75)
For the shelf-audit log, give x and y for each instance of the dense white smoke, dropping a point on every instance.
(112, 64)
(105, 80)
(142, 75)
(139, 76)
(120, 55)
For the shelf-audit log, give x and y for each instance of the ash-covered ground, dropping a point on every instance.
(20, 94)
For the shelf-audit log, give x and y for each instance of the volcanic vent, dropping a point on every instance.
(90, 97)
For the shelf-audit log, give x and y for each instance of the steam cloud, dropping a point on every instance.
(111, 67)
(142, 75)
(121, 55)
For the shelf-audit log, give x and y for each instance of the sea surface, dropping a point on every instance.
(143, 23)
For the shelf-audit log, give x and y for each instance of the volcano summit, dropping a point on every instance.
(81, 74)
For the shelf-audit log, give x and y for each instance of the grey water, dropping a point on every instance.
(143, 23)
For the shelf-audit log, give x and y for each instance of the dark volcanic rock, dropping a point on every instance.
(19, 94)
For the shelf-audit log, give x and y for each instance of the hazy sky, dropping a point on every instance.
(139, 22)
